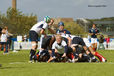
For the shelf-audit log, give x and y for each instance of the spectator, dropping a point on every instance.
(101, 41)
(107, 41)
(25, 38)
(9, 36)
(3, 40)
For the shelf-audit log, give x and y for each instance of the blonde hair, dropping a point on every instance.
(58, 36)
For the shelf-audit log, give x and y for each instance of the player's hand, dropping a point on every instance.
(64, 55)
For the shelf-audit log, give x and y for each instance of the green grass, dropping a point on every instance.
(16, 64)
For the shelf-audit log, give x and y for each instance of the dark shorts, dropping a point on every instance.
(46, 42)
(78, 40)
(33, 36)
(3, 43)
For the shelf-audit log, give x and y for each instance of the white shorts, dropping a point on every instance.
(87, 42)
(93, 40)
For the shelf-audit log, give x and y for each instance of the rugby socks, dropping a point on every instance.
(91, 56)
(32, 53)
(53, 53)
(101, 58)
(72, 56)
(40, 51)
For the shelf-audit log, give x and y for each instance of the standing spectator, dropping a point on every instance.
(107, 41)
(93, 33)
(101, 41)
(9, 36)
(25, 38)
(3, 40)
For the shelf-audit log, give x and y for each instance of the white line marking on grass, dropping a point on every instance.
(17, 63)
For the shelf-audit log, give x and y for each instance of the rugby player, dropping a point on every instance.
(36, 30)
(59, 46)
(86, 45)
(93, 33)
(61, 29)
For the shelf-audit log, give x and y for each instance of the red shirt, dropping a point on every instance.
(107, 40)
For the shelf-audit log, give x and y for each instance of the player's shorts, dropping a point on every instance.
(46, 42)
(33, 36)
(93, 40)
(78, 40)
(87, 42)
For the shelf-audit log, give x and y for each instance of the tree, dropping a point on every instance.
(74, 28)
(17, 22)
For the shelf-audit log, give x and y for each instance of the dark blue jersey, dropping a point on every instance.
(63, 31)
(94, 31)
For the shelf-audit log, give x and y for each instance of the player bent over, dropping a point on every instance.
(36, 30)
(73, 41)
(59, 46)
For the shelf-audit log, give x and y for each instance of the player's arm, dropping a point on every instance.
(45, 26)
(65, 51)
(52, 54)
(69, 41)
(97, 33)
(10, 34)
(65, 48)
(52, 31)
(90, 33)
(43, 32)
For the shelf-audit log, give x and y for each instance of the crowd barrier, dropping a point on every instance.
(27, 45)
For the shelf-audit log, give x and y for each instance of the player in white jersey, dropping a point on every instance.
(59, 46)
(36, 30)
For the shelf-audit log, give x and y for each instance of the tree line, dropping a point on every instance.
(19, 23)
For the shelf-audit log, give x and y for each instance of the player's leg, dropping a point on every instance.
(52, 55)
(4, 46)
(33, 50)
(0, 46)
(34, 41)
(101, 58)
(93, 59)
(95, 46)
(94, 43)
